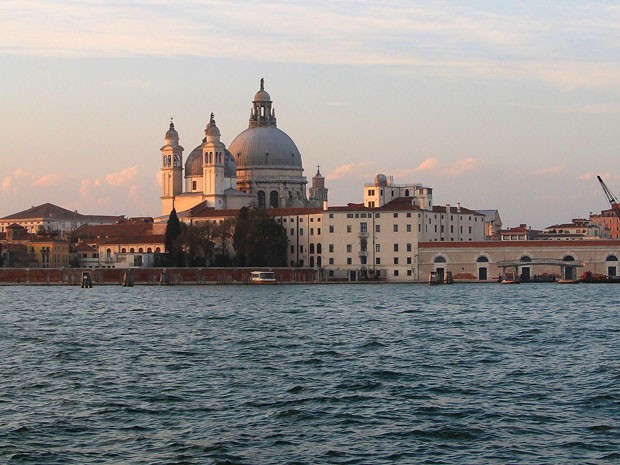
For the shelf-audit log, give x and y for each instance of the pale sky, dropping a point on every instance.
(513, 106)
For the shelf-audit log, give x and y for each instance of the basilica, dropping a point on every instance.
(261, 168)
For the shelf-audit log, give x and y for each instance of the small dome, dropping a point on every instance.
(262, 95)
(212, 129)
(193, 164)
(381, 180)
(172, 133)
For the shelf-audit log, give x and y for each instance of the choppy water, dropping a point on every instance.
(374, 374)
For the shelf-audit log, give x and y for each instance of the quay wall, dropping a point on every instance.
(150, 276)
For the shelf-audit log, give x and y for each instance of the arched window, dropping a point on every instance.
(482, 259)
(123, 250)
(149, 250)
(132, 250)
(439, 259)
(525, 259)
(612, 258)
(261, 199)
(318, 261)
(318, 249)
(157, 250)
(406, 192)
(273, 199)
(569, 258)
(108, 253)
(140, 250)
(311, 261)
(311, 248)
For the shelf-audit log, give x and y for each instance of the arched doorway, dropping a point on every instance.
(570, 272)
(612, 265)
(526, 272)
(440, 267)
(483, 271)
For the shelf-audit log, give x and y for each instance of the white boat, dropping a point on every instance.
(263, 277)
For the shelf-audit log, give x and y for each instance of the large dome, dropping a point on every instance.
(265, 146)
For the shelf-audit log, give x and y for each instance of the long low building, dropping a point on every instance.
(529, 260)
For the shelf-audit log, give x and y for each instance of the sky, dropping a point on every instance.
(513, 106)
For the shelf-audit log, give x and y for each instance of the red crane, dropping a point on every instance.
(613, 201)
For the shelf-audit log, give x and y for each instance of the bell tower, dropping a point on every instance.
(171, 169)
(214, 153)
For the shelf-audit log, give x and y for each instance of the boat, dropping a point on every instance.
(568, 281)
(263, 277)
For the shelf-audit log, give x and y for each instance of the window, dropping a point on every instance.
(312, 231)
(377, 247)
(349, 248)
(395, 215)
(301, 231)
(408, 247)
(301, 249)
(331, 228)
(395, 228)
(364, 227)
(377, 228)
(349, 261)
(349, 215)
(318, 231)
(292, 249)
(395, 272)
(331, 215)
(377, 215)
(292, 231)
(377, 261)
(408, 260)
(409, 215)
(363, 260)
(395, 260)
(331, 261)
(331, 248)
(395, 247)
(194, 186)
(408, 228)
(349, 228)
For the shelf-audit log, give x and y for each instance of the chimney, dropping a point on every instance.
(458, 207)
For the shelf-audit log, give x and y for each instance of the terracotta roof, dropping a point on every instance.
(138, 239)
(49, 210)
(113, 230)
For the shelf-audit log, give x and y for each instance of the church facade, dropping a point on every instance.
(262, 167)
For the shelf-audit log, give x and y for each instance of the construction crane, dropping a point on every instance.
(611, 197)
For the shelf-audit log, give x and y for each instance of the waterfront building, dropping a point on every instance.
(608, 220)
(262, 168)
(50, 218)
(578, 229)
(20, 248)
(539, 259)
(492, 224)
(519, 233)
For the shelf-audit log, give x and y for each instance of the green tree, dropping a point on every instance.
(259, 240)
(173, 231)
(197, 243)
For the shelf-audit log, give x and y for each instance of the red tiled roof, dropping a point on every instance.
(519, 244)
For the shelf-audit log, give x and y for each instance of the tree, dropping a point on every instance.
(259, 240)
(173, 231)
(197, 243)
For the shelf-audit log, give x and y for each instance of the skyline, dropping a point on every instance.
(511, 107)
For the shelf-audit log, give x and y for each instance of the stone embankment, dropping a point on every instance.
(152, 276)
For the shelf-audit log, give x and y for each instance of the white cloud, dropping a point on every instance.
(121, 177)
(7, 185)
(48, 180)
(445, 38)
(427, 165)
(555, 169)
(358, 170)
(458, 168)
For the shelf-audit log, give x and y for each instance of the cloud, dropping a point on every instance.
(48, 180)
(121, 177)
(459, 167)
(349, 170)
(555, 169)
(427, 165)
(7, 185)
(438, 38)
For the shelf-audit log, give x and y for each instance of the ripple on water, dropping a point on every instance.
(312, 374)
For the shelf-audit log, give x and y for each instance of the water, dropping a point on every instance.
(359, 374)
